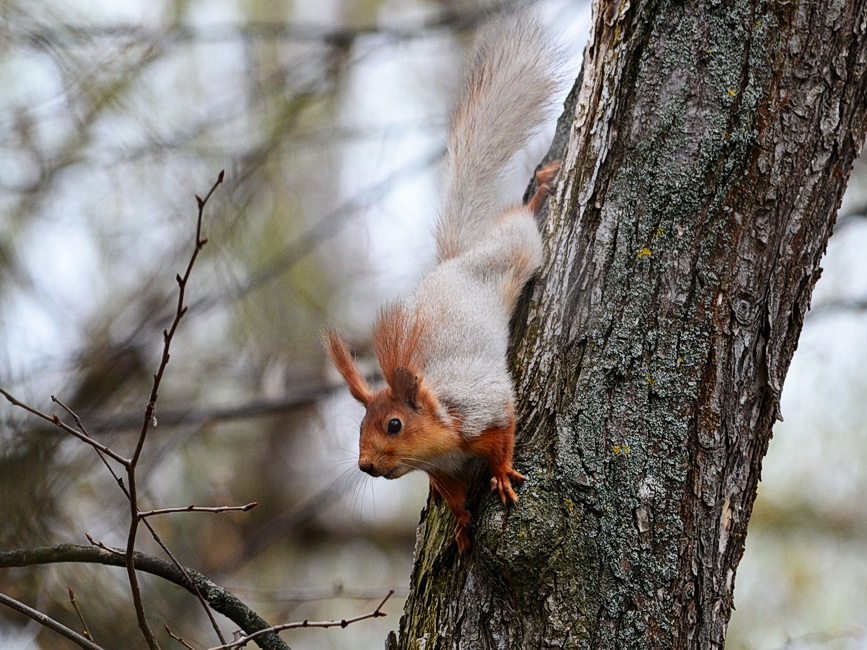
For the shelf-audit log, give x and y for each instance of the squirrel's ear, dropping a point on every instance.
(405, 386)
(339, 353)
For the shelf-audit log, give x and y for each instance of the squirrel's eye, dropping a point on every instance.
(394, 426)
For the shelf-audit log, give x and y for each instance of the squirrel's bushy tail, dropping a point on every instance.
(506, 95)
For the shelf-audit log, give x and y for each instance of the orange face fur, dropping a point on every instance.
(403, 428)
(401, 432)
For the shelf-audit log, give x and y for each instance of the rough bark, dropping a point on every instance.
(708, 147)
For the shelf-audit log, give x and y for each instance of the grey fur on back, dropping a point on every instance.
(467, 302)
(505, 95)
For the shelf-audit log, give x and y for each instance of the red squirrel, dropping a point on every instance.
(448, 398)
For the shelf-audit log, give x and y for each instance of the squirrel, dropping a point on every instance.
(448, 399)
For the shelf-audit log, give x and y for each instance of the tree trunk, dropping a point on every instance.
(707, 146)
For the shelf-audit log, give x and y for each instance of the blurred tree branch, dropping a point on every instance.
(305, 395)
(452, 19)
(220, 599)
(828, 307)
(130, 465)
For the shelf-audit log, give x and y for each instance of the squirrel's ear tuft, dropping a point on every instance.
(339, 353)
(405, 386)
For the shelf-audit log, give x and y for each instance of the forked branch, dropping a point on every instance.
(148, 419)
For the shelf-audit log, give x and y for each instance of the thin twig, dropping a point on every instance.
(178, 639)
(150, 528)
(56, 421)
(99, 453)
(99, 544)
(50, 623)
(242, 641)
(194, 508)
(196, 590)
(86, 631)
(148, 419)
(72, 413)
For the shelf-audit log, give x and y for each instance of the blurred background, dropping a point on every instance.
(328, 117)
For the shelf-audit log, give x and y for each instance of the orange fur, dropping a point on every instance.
(423, 437)
(397, 337)
(453, 490)
(424, 440)
(496, 445)
(339, 353)
(545, 181)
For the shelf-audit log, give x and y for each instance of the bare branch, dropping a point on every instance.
(50, 623)
(84, 431)
(178, 639)
(150, 528)
(87, 634)
(180, 311)
(194, 508)
(56, 421)
(196, 591)
(222, 600)
(241, 642)
(168, 335)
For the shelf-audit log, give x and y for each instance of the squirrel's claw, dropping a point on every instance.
(545, 182)
(545, 175)
(502, 484)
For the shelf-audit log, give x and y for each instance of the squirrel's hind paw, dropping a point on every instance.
(545, 175)
(545, 182)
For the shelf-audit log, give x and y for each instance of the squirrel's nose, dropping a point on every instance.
(367, 468)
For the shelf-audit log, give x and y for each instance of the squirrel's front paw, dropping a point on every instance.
(502, 484)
